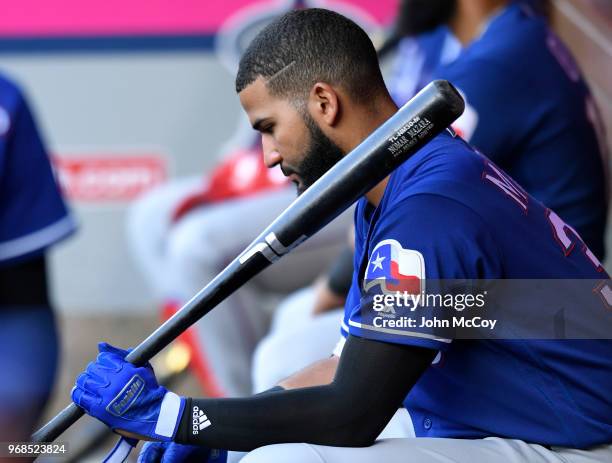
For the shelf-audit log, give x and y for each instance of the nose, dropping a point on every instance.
(271, 155)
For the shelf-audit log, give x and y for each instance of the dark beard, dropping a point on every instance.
(322, 154)
(419, 16)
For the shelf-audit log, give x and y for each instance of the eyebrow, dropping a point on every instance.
(258, 123)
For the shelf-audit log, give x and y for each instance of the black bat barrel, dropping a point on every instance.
(426, 115)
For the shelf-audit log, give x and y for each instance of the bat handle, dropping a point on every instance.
(62, 421)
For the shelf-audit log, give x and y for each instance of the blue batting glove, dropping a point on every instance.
(170, 452)
(126, 397)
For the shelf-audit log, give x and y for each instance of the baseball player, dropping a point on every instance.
(311, 84)
(33, 217)
(528, 109)
(184, 232)
(548, 140)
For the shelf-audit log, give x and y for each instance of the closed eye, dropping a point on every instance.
(263, 126)
(267, 128)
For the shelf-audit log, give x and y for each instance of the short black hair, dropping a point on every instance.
(312, 45)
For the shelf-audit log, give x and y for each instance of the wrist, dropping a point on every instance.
(192, 424)
(171, 411)
(183, 434)
(196, 427)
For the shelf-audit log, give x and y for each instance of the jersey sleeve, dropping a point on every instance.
(352, 298)
(422, 244)
(488, 91)
(32, 213)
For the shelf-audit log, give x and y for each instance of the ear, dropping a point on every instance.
(324, 104)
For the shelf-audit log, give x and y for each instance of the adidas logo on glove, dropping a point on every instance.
(200, 420)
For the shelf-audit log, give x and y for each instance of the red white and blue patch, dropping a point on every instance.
(394, 268)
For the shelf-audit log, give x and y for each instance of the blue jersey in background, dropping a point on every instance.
(528, 109)
(33, 215)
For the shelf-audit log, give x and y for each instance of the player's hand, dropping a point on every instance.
(170, 452)
(127, 398)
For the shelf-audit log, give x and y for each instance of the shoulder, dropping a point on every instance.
(432, 216)
(513, 32)
(7, 85)
(444, 161)
(452, 239)
(11, 102)
(511, 40)
(11, 95)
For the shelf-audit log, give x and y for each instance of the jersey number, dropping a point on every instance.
(562, 231)
(565, 235)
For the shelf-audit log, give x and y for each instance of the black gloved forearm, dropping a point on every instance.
(372, 380)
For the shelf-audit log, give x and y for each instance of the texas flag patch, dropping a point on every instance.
(395, 269)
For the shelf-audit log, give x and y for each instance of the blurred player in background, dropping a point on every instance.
(311, 85)
(33, 217)
(528, 108)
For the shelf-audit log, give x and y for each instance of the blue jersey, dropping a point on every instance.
(450, 213)
(530, 111)
(32, 213)
(419, 57)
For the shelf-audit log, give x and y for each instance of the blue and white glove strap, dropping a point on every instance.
(169, 415)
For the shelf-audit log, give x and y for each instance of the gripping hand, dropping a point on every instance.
(127, 398)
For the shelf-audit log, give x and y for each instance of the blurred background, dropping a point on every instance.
(129, 94)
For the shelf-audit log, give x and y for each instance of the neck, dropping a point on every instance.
(471, 16)
(368, 123)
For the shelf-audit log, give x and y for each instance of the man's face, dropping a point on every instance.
(419, 16)
(289, 138)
